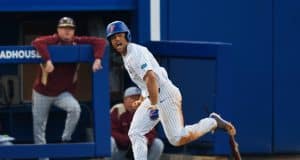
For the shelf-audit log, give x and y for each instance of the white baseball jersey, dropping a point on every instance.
(138, 60)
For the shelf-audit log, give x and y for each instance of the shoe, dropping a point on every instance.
(223, 124)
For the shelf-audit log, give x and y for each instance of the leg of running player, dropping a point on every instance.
(172, 120)
(141, 124)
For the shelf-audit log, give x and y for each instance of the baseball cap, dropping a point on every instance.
(66, 22)
(132, 91)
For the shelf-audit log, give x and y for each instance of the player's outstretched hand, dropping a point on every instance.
(154, 113)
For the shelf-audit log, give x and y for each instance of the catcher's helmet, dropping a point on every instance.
(117, 27)
(66, 22)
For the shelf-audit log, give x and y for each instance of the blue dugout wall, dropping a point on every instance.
(286, 76)
(66, 5)
(265, 72)
(183, 61)
(100, 104)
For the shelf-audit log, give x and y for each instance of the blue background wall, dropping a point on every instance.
(286, 76)
(264, 35)
(66, 5)
(196, 80)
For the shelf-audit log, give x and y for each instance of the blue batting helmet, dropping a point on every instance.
(117, 27)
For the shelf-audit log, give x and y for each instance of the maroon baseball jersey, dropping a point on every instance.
(63, 78)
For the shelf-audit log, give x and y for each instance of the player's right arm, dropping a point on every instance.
(41, 45)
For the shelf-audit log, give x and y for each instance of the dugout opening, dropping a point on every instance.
(20, 28)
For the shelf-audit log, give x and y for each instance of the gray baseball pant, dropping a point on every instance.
(40, 112)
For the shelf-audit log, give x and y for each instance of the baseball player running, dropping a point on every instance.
(161, 99)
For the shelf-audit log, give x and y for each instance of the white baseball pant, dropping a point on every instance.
(154, 153)
(170, 115)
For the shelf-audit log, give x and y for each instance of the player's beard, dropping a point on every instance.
(121, 49)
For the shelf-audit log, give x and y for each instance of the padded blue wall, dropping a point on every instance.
(286, 76)
(196, 80)
(247, 25)
(66, 5)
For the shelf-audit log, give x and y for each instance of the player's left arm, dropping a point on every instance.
(145, 71)
(152, 87)
(98, 46)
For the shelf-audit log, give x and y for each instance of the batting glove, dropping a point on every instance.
(153, 114)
